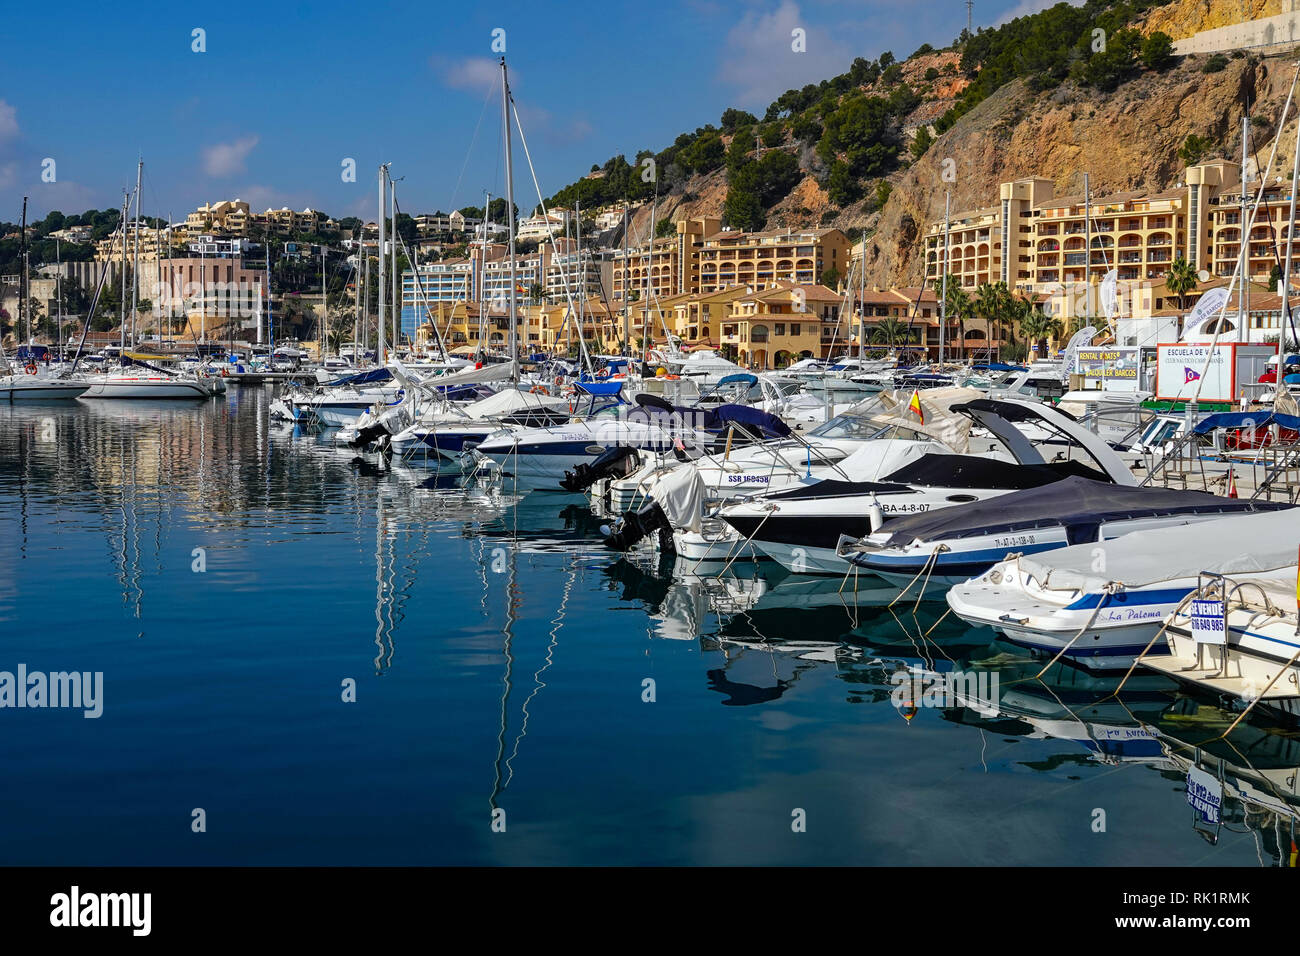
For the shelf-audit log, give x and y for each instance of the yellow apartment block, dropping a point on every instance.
(1043, 244)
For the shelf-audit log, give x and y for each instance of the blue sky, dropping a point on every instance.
(286, 91)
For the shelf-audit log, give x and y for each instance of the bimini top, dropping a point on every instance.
(1260, 419)
(747, 417)
(1079, 505)
(608, 388)
(371, 377)
(715, 419)
(738, 378)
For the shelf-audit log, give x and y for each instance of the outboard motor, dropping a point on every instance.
(369, 434)
(617, 462)
(637, 524)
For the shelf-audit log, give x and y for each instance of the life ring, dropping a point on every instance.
(30, 368)
(603, 373)
(559, 380)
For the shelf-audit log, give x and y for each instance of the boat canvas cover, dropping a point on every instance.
(510, 400)
(1079, 505)
(1237, 545)
(681, 496)
(472, 376)
(976, 471)
(750, 419)
(941, 423)
(372, 377)
(1232, 420)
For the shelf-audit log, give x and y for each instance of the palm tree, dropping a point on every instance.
(1037, 326)
(959, 307)
(988, 305)
(891, 332)
(1180, 280)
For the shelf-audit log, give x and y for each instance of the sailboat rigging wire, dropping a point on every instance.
(470, 151)
(1247, 228)
(550, 238)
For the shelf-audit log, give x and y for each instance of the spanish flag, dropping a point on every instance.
(915, 405)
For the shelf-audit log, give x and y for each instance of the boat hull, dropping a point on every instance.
(42, 392)
(148, 388)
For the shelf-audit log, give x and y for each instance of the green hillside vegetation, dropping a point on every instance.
(847, 131)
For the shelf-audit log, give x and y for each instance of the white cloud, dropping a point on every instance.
(475, 73)
(759, 63)
(8, 122)
(227, 159)
(542, 123)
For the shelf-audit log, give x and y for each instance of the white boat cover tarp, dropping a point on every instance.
(1237, 545)
(941, 424)
(680, 494)
(510, 400)
(498, 372)
(875, 459)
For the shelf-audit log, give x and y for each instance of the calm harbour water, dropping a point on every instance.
(500, 656)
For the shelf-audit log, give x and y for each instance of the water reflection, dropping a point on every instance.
(500, 620)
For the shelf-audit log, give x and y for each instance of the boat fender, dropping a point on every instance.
(875, 515)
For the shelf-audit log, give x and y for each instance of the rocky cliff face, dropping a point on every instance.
(1181, 20)
(1127, 140)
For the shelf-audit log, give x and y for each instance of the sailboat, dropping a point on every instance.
(138, 377)
(31, 383)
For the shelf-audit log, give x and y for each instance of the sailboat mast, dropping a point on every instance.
(270, 327)
(135, 265)
(1245, 239)
(394, 300)
(383, 209)
(121, 333)
(862, 302)
(1285, 291)
(627, 315)
(324, 304)
(58, 295)
(24, 304)
(947, 264)
(510, 222)
(482, 273)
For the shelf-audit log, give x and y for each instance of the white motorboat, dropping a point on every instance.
(1103, 605)
(802, 528)
(952, 545)
(1237, 636)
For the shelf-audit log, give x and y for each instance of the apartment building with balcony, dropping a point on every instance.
(802, 257)
(586, 275)
(777, 326)
(664, 267)
(1037, 242)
